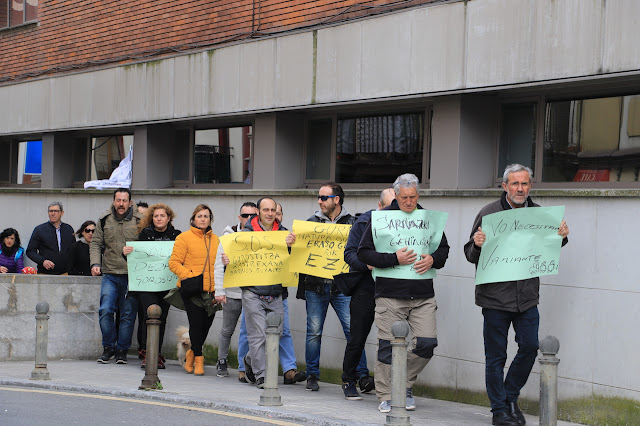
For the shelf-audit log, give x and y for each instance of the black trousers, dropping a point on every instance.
(199, 325)
(362, 310)
(146, 299)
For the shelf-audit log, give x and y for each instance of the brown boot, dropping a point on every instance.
(188, 364)
(199, 366)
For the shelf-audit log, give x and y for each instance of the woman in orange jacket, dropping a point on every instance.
(194, 253)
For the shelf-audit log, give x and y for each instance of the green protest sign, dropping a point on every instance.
(148, 266)
(521, 243)
(420, 231)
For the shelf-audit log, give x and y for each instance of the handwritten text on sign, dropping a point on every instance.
(255, 258)
(521, 243)
(148, 266)
(319, 248)
(420, 231)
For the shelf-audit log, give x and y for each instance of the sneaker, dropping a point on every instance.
(121, 357)
(161, 362)
(260, 383)
(385, 406)
(106, 355)
(241, 377)
(293, 376)
(248, 371)
(367, 384)
(312, 383)
(350, 391)
(410, 401)
(141, 353)
(221, 368)
(144, 358)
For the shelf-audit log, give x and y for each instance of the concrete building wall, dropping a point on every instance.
(590, 305)
(504, 42)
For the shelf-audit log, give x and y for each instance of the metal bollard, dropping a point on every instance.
(549, 346)
(398, 414)
(40, 371)
(270, 395)
(151, 380)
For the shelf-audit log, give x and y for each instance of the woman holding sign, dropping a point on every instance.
(192, 260)
(156, 226)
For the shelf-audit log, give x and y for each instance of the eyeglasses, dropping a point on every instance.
(325, 197)
(245, 215)
(55, 211)
(90, 231)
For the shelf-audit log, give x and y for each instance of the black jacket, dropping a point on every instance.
(150, 234)
(43, 245)
(309, 282)
(510, 296)
(79, 263)
(366, 284)
(399, 288)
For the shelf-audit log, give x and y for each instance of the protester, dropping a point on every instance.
(155, 226)
(411, 300)
(362, 304)
(194, 255)
(230, 298)
(79, 258)
(115, 227)
(508, 303)
(50, 243)
(11, 253)
(320, 292)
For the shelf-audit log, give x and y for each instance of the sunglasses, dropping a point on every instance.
(245, 215)
(325, 197)
(90, 231)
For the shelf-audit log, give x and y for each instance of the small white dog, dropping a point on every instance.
(184, 343)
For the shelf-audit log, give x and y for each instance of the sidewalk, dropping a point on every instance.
(326, 407)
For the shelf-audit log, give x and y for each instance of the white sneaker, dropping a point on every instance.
(385, 406)
(410, 400)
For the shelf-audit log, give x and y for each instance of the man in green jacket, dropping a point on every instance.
(115, 227)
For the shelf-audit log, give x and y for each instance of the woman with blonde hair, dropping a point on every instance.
(192, 260)
(155, 226)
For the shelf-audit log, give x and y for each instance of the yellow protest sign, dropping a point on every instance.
(255, 258)
(319, 248)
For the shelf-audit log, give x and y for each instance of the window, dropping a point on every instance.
(107, 152)
(17, 12)
(29, 162)
(584, 140)
(368, 149)
(223, 155)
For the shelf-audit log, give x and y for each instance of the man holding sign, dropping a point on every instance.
(404, 294)
(505, 303)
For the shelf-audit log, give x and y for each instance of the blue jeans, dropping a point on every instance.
(317, 306)
(502, 390)
(287, 353)
(113, 296)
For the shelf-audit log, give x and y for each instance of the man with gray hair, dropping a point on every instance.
(50, 243)
(506, 303)
(411, 300)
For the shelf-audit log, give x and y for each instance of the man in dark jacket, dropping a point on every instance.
(257, 301)
(411, 300)
(506, 303)
(320, 292)
(362, 303)
(50, 243)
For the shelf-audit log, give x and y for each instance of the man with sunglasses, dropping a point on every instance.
(319, 293)
(50, 243)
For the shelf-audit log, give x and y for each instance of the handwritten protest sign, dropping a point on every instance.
(521, 243)
(420, 231)
(148, 266)
(255, 258)
(319, 248)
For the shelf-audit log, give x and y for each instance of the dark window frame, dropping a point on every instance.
(7, 24)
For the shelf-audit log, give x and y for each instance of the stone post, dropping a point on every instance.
(549, 346)
(40, 371)
(398, 414)
(270, 395)
(151, 380)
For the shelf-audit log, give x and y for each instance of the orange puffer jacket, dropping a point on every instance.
(189, 256)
